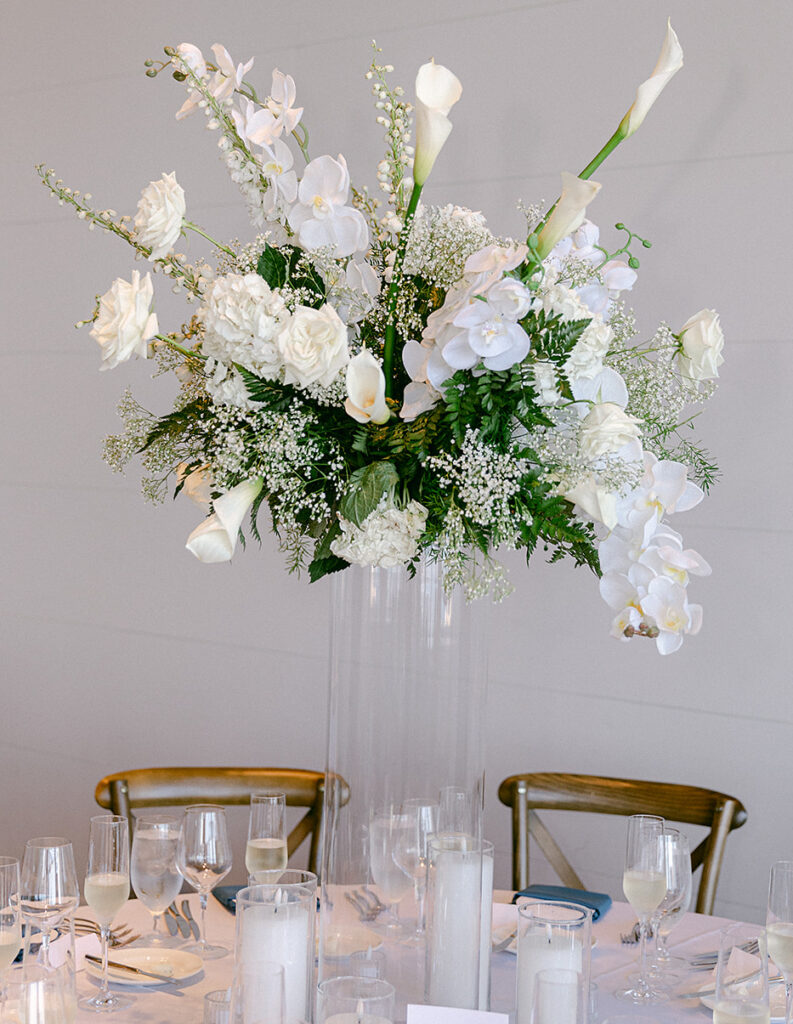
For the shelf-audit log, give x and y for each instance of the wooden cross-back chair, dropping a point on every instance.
(123, 792)
(526, 794)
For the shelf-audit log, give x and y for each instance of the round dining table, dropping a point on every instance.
(612, 962)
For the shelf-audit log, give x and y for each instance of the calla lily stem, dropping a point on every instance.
(393, 292)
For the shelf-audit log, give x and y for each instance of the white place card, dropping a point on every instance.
(449, 1015)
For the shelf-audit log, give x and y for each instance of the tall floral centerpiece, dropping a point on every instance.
(407, 393)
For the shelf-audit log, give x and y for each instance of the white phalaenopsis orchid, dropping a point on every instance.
(229, 76)
(569, 212)
(321, 218)
(670, 61)
(366, 390)
(437, 90)
(281, 103)
(277, 161)
(215, 539)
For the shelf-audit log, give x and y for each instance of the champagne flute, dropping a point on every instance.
(154, 874)
(386, 829)
(741, 978)
(412, 849)
(644, 885)
(266, 849)
(779, 927)
(10, 931)
(676, 901)
(204, 858)
(48, 889)
(106, 890)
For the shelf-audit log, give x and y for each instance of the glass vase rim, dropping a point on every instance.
(584, 913)
(326, 986)
(47, 842)
(302, 892)
(473, 843)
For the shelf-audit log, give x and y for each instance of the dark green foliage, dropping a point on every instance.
(552, 338)
(490, 404)
(365, 488)
(175, 424)
(289, 266)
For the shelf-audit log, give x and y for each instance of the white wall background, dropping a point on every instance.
(120, 650)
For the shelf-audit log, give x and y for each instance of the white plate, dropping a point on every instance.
(354, 939)
(776, 999)
(176, 963)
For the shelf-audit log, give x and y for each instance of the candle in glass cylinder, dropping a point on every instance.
(485, 925)
(551, 936)
(353, 1000)
(276, 923)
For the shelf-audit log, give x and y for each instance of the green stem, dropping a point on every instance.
(179, 348)
(302, 142)
(200, 231)
(393, 292)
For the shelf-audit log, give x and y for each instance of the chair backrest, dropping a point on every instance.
(122, 792)
(525, 794)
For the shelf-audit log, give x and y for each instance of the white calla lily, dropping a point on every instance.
(437, 90)
(366, 390)
(569, 212)
(215, 539)
(669, 63)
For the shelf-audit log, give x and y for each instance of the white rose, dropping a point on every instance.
(366, 390)
(158, 221)
(313, 346)
(702, 340)
(125, 323)
(607, 429)
(510, 297)
(215, 539)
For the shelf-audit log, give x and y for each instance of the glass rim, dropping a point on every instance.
(274, 795)
(380, 988)
(246, 894)
(109, 819)
(459, 842)
(205, 807)
(43, 842)
(156, 819)
(8, 862)
(583, 912)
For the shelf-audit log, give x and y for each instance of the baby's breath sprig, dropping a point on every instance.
(174, 265)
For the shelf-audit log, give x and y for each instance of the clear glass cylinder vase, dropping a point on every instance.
(408, 671)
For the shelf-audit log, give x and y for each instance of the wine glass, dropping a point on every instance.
(742, 978)
(266, 849)
(386, 830)
(10, 931)
(204, 858)
(106, 890)
(644, 885)
(779, 927)
(48, 888)
(154, 874)
(676, 901)
(412, 849)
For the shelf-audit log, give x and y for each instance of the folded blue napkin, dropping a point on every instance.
(597, 902)
(226, 895)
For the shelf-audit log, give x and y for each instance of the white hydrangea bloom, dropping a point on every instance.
(586, 358)
(242, 317)
(225, 386)
(387, 537)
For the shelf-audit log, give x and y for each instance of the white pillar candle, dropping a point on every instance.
(453, 929)
(557, 997)
(551, 936)
(280, 933)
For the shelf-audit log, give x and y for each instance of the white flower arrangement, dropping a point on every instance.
(392, 379)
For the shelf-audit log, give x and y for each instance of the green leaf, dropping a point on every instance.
(273, 266)
(324, 561)
(365, 489)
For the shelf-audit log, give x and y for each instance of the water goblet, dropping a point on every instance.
(106, 891)
(48, 889)
(676, 901)
(266, 848)
(779, 927)
(644, 885)
(741, 977)
(10, 931)
(204, 859)
(386, 830)
(153, 871)
(412, 850)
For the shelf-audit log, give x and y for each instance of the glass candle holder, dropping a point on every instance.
(459, 907)
(259, 993)
(276, 923)
(351, 1000)
(558, 996)
(551, 936)
(217, 1006)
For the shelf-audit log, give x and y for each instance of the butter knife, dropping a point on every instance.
(191, 920)
(127, 967)
(181, 924)
(170, 923)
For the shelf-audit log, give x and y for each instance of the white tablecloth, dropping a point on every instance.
(611, 962)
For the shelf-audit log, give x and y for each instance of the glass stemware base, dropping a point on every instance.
(206, 951)
(105, 1002)
(645, 994)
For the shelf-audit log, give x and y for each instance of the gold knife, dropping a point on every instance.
(128, 967)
